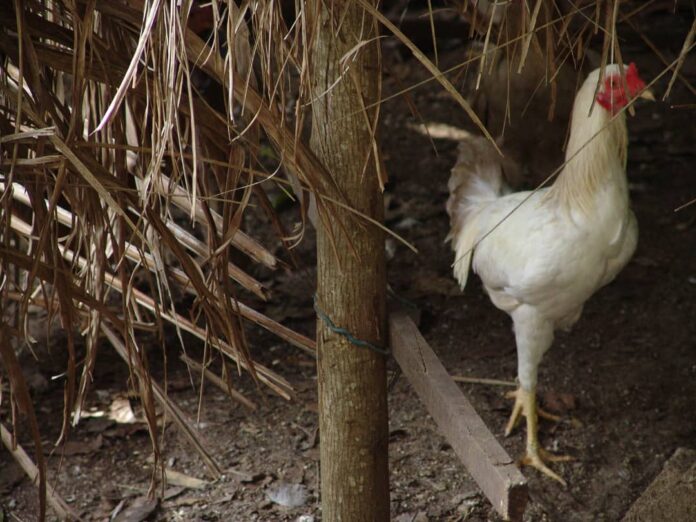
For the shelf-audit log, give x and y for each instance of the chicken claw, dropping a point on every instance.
(517, 410)
(536, 460)
(525, 404)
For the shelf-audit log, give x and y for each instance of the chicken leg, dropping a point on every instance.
(525, 404)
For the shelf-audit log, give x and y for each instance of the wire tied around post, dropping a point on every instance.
(345, 333)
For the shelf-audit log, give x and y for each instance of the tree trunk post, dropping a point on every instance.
(351, 279)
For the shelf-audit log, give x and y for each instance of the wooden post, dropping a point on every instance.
(485, 459)
(351, 283)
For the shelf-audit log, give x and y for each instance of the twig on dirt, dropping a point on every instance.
(63, 511)
(476, 380)
(217, 381)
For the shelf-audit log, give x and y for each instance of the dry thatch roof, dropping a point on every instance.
(122, 187)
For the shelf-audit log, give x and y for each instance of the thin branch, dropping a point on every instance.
(63, 511)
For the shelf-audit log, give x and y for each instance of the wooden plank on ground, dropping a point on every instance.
(485, 459)
(672, 495)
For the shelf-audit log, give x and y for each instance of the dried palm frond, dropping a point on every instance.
(130, 150)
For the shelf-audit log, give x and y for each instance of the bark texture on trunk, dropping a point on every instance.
(351, 272)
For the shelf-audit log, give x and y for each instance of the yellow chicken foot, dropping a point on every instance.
(517, 410)
(525, 404)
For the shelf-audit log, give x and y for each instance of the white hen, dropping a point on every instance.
(542, 255)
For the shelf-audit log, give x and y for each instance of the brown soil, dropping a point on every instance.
(624, 378)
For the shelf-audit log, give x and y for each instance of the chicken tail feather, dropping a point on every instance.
(476, 180)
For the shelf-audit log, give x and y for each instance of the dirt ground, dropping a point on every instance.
(624, 378)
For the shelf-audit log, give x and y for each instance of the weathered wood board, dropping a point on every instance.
(485, 459)
(672, 495)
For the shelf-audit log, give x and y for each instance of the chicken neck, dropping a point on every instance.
(595, 159)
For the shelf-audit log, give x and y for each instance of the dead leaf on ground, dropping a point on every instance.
(120, 410)
(312, 407)
(172, 492)
(176, 478)
(559, 402)
(244, 476)
(312, 454)
(138, 510)
(79, 447)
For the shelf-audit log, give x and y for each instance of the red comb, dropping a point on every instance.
(613, 97)
(633, 81)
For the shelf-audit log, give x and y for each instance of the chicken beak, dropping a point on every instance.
(647, 94)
